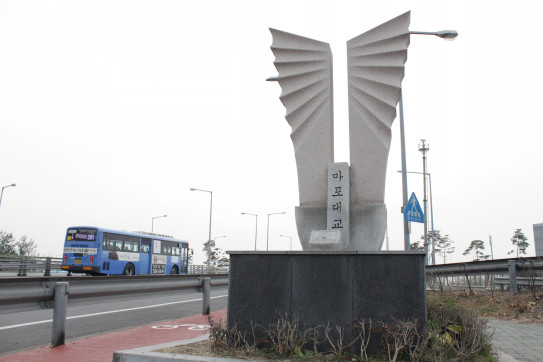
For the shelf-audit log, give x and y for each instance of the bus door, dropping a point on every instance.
(145, 256)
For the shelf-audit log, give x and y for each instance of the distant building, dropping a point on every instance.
(538, 239)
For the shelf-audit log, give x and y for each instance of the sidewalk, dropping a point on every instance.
(521, 341)
(101, 347)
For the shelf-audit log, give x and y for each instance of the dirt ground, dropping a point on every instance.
(203, 348)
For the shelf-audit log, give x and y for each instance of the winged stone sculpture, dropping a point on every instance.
(376, 62)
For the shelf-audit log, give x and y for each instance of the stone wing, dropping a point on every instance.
(376, 62)
(305, 77)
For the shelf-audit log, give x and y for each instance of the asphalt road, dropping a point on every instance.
(24, 330)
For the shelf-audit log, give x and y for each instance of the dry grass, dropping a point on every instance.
(521, 307)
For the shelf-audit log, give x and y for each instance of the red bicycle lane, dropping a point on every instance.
(101, 347)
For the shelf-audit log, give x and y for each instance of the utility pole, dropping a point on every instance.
(424, 147)
(491, 250)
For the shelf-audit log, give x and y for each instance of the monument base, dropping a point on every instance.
(325, 289)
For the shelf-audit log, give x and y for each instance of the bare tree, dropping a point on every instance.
(417, 245)
(26, 246)
(10, 246)
(444, 246)
(442, 243)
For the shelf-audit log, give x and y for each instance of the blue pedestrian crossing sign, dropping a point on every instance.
(412, 211)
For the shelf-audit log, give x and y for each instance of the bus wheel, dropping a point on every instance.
(174, 270)
(128, 269)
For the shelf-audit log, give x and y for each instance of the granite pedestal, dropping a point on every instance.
(325, 288)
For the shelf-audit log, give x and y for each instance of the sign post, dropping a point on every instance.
(413, 211)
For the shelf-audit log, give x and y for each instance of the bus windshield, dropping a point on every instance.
(81, 235)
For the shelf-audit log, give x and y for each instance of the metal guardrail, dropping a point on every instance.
(486, 266)
(24, 264)
(524, 281)
(40, 293)
(494, 272)
(20, 294)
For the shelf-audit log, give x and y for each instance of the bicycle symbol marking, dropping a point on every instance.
(192, 327)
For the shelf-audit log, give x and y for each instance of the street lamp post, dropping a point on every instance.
(256, 223)
(406, 241)
(268, 231)
(290, 237)
(153, 221)
(210, 213)
(444, 34)
(2, 193)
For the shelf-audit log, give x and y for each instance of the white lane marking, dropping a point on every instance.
(192, 327)
(109, 312)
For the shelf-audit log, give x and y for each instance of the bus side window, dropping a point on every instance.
(127, 246)
(135, 247)
(118, 245)
(146, 245)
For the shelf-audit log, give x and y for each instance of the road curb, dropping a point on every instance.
(147, 354)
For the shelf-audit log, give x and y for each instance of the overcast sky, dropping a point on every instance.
(110, 111)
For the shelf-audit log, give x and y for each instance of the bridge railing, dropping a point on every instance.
(25, 264)
(204, 269)
(22, 265)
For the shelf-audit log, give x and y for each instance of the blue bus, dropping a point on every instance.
(98, 251)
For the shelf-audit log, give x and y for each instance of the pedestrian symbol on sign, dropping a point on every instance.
(412, 211)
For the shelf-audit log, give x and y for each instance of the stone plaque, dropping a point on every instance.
(338, 200)
(325, 237)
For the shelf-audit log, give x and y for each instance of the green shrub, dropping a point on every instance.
(456, 332)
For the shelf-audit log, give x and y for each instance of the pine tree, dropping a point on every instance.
(477, 247)
(520, 241)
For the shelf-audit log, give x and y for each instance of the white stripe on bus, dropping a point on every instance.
(109, 312)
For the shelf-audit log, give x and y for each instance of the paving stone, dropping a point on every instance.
(522, 341)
